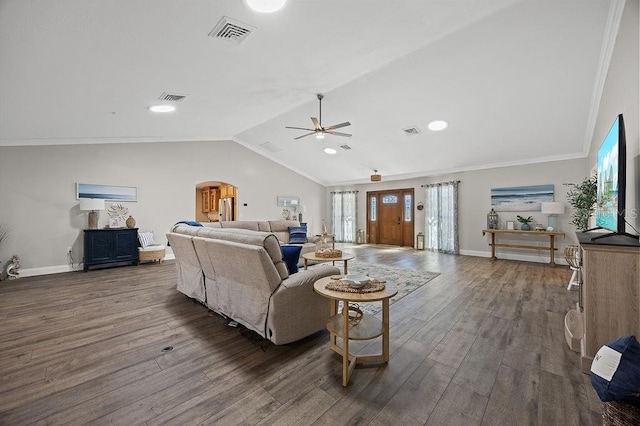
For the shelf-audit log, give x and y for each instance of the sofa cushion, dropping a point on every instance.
(291, 256)
(297, 235)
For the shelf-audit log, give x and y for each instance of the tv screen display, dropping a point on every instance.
(611, 179)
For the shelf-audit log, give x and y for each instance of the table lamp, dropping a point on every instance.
(93, 205)
(552, 209)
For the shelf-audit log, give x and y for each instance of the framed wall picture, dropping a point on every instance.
(511, 224)
(106, 192)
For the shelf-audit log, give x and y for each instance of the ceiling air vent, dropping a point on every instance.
(172, 97)
(411, 131)
(270, 147)
(231, 30)
(345, 146)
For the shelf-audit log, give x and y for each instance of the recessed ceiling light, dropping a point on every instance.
(437, 125)
(330, 151)
(162, 108)
(265, 6)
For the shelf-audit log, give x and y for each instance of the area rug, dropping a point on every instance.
(407, 280)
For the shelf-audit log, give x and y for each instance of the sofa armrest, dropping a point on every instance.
(314, 238)
(309, 276)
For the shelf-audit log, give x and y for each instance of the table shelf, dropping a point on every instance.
(368, 328)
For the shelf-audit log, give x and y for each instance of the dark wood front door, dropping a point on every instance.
(390, 217)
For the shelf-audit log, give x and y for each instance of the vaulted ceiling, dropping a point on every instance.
(517, 81)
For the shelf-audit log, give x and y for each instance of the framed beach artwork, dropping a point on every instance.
(106, 192)
(520, 198)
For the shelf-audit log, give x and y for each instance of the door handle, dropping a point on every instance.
(398, 220)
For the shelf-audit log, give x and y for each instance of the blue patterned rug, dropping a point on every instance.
(407, 280)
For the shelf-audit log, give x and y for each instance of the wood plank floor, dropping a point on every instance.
(482, 343)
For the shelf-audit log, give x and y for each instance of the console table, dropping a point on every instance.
(551, 248)
(110, 247)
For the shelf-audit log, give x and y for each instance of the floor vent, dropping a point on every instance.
(411, 131)
(270, 147)
(172, 97)
(231, 30)
(345, 146)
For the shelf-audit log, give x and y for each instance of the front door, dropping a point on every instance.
(390, 217)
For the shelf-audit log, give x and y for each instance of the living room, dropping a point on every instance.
(38, 179)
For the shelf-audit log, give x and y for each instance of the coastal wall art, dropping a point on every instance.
(106, 192)
(521, 198)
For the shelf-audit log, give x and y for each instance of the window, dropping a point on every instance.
(441, 218)
(407, 207)
(389, 199)
(372, 207)
(343, 215)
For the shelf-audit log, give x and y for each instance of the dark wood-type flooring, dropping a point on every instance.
(482, 343)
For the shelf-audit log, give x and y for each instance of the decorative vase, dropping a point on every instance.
(525, 227)
(131, 222)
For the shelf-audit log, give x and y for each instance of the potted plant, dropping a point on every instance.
(525, 222)
(583, 197)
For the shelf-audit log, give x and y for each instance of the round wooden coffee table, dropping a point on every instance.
(344, 258)
(368, 328)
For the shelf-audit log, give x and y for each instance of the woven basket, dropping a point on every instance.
(616, 413)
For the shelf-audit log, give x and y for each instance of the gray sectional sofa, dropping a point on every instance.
(240, 273)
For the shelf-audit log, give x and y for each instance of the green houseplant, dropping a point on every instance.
(525, 222)
(583, 197)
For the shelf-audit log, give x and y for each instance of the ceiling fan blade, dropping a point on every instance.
(316, 123)
(308, 134)
(300, 128)
(337, 126)
(337, 133)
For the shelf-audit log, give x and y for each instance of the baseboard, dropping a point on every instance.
(59, 269)
(542, 258)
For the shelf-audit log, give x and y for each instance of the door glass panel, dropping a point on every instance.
(373, 209)
(389, 199)
(407, 207)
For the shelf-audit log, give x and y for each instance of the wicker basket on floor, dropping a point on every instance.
(616, 413)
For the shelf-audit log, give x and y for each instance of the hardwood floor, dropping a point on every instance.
(482, 343)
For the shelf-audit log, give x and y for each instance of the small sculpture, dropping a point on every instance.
(324, 234)
(12, 268)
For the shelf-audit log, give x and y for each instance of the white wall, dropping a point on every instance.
(621, 95)
(37, 191)
(474, 201)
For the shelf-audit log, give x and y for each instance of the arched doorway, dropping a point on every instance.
(216, 201)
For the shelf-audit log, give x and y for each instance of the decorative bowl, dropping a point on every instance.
(356, 280)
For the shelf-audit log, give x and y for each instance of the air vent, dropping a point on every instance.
(172, 97)
(345, 146)
(231, 30)
(411, 131)
(270, 147)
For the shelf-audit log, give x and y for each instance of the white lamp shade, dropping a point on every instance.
(91, 204)
(554, 207)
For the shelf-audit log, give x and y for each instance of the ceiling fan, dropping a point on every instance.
(320, 131)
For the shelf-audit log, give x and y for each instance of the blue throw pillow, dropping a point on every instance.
(291, 255)
(297, 235)
(190, 223)
(615, 371)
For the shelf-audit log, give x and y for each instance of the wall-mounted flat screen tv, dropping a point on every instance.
(612, 176)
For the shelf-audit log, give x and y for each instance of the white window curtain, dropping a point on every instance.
(441, 217)
(343, 216)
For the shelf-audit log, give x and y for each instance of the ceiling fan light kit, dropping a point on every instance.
(320, 131)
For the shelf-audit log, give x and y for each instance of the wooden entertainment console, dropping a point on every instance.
(551, 247)
(610, 292)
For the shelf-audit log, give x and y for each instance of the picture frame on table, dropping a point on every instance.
(115, 222)
(511, 225)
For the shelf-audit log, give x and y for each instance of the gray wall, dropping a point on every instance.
(621, 95)
(475, 201)
(37, 189)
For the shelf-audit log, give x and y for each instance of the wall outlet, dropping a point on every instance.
(69, 249)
